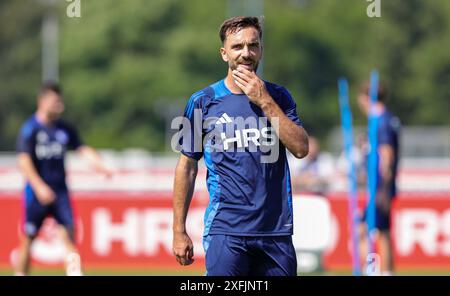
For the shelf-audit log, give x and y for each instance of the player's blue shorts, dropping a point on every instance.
(228, 255)
(35, 213)
(382, 219)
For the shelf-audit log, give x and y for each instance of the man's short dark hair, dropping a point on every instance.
(382, 92)
(237, 23)
(52, 86)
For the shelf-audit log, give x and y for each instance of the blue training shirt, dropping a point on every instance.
(47, 145)
(249, 196)
(389, 133)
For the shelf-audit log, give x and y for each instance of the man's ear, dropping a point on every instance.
(223, 53)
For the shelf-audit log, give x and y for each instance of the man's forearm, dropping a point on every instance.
(294, 137)
(29, 171)
(184, 184)
(386, 162)
(92, 156)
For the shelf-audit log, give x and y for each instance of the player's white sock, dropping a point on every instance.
(19, 273)
(73, 264)
(387, 273)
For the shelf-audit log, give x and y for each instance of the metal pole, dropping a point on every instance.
(347, 132)
(49, 33)
(50, 69)
(372, 172)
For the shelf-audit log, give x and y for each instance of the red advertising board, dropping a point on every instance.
(135, 230)
(113, 230)
(420, 231)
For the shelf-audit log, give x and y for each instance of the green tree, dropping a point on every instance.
(127, 66)
(20, 71)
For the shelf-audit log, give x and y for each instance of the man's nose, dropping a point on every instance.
(245, 52)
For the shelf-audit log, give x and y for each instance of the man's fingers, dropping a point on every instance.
(188, 261)
(237, 73)
(180, 259)
(244, 70)
(246, 74)
(188, 255)
(240, 80)
(185, 257)
(184, 261)
(241, 86)
(182, 248)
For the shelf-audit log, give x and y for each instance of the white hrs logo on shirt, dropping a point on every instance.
(48, 149)
(245, 137)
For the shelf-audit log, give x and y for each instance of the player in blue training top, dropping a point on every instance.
(42, 144)
(387, 159)
(241, 126)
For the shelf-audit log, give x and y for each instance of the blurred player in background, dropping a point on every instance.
(249, 221)
(360, 152)
(388, 157)
(314, 172)
(42, 144)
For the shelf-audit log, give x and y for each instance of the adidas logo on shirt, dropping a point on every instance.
(224, 119)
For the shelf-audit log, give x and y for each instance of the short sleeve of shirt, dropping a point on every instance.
(289, 106)
(25, 139)
(74, 138)
(191, 130)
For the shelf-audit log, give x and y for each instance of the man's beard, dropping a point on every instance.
(53, 116)
(234, 65)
